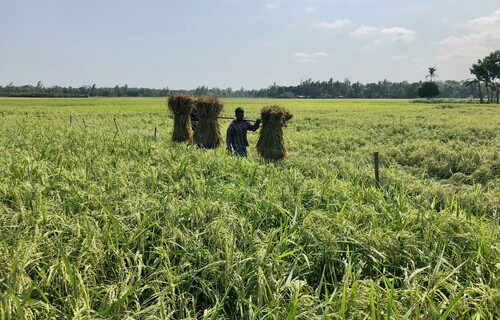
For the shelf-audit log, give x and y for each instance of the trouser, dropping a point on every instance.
(241, 151)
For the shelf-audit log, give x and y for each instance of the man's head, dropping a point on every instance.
(239, 113)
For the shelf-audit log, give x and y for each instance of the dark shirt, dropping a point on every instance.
(237, 134)
(194, 120)
(193, 116)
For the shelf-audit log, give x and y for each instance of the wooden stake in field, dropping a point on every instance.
(116, 125)
(377, 178)
(181, 106)
(83, 119)
(271, 143)
(207, 133)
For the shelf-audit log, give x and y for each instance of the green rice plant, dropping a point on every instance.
(271, 143)
(98, 226)
(207, 133)
(181, 105)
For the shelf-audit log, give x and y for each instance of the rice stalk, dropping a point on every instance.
(202, 234)
(181, 106)
(271, 144)
(207, 133)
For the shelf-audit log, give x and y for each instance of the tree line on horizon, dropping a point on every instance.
(486, 80)
(306, 89)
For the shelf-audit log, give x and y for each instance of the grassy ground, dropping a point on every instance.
(99, 225)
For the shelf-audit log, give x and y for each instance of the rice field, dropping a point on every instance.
(104, 223)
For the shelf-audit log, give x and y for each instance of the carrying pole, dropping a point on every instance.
(232, 118)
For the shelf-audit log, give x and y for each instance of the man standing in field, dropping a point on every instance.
(236, 138)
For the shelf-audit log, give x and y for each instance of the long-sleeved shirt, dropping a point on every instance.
(194, 120)
(237, 134)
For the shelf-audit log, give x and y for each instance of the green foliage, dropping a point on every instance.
(487, 73)
(95, 225)
(428, 89)
(306, 89)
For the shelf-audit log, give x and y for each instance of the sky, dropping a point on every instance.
(241, 43)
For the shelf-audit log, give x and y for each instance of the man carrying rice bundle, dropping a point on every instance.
(236, 138)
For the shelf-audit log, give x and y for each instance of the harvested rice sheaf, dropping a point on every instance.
(271, 144)
(181, 106)
(207, 133)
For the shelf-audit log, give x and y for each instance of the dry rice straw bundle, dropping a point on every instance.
(207, 133)
(181, 106)
(271, 144)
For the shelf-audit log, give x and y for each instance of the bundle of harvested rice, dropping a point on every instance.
(271, 144)
(207, 133)
(181, 106)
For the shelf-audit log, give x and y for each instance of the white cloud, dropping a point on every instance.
(309, 57)
(468, 55)
(490, 21)
(450, 41)
(483, 37)
(417, 59)
(364, 31)
(485, 32)
(395, 34)
(311, 10)
(337, 24)
(399, 34)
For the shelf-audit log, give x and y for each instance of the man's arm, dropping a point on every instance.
(255, 126)
(229, 137)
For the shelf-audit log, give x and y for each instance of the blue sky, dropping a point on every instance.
(235, 43)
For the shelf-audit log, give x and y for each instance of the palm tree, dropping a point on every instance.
(481, 73)
(432, 73)
(472, 81)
